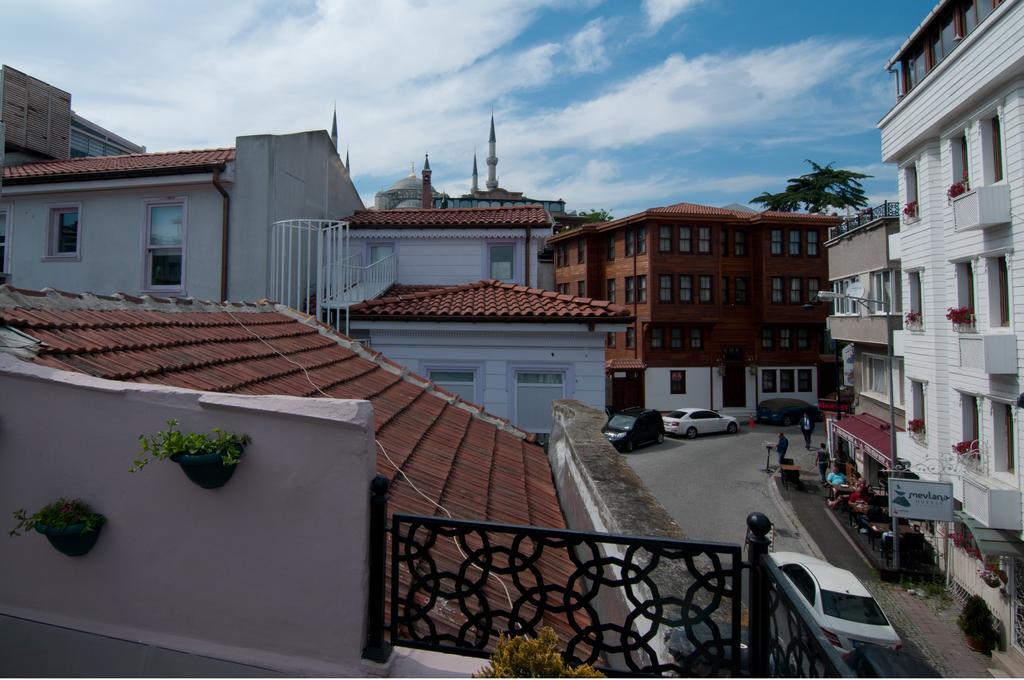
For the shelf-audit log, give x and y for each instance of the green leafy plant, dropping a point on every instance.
(540, 657)
(976, 622)
(171, 442)
(60, 514)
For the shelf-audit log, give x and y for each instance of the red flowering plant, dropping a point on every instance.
(916, 426)
(957, 188)
(60, 514)
(965, 448)
(960, 316)
(913, 318)
(910, 209)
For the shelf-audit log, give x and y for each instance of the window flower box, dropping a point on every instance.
(962, 318)
(916, 430)
(967, 450)
(957, 189)
(910, 211)
(914, 321)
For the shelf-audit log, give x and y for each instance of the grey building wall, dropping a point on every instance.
(863, 250)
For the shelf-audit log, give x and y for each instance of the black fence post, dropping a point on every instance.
(758, 527)
(377, 649)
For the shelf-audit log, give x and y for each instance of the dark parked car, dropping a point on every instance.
(784, 411)
(633, 428)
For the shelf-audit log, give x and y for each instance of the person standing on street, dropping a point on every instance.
(821, 458)
(807, 428)
(782, 446)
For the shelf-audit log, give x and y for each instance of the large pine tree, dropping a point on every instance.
(817, 191)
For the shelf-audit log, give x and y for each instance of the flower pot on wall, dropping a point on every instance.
(208, 470)
(977, 645)
(72, 540)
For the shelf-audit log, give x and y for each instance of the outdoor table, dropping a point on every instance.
(790, 475)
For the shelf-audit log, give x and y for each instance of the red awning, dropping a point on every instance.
(871, 432)
(624, 365)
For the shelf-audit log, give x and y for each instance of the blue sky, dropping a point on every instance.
(617, 105)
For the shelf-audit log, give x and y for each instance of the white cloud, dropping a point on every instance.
(587, 48)
(660, 12)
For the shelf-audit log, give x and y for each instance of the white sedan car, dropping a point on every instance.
(843, 608)
(695, 421)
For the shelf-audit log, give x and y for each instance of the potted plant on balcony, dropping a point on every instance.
(910, 210)
(209, 460)
(957, 189)
(913, 320)
(71, 526)
(962, 318)
(978, 625)
(916, 428)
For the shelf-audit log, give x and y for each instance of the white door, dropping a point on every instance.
(535, 390)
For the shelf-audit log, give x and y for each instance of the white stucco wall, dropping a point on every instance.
(269, 570)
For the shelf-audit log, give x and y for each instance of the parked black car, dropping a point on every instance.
(785, 411)
(633, 428)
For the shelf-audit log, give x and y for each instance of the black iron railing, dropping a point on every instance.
(865, 216)
(624, 604)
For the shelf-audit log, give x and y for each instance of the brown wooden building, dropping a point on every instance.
(718, 295)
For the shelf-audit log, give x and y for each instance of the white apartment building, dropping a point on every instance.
(957, 136)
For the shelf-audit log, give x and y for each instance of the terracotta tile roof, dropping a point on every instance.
(477, 465)
(407, 288)
(490, 301)
(168, 162)
(519, 216)
(624, 365)
(693, 209)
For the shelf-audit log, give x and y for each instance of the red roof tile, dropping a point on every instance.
(490, 301)
(694, 209)
(520, 216)
(476, 465)
(407, 288)
(166, 162)
(624, 365)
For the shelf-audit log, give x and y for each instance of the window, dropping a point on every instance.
(665, 238)
(917, 400)
(910, 191)
(725, 290)
(786, 380)
(535, 390)
(165, 245)
(677, 382)
(581, 288)
(875, 376)
(665, 288)
(610, 289)
(641, 240)
(794, 242)
(631, 337)
(768, 381)
(581, 251)
(785, 336)
(375, 252)
(705, 289)
(996, 149)
(704, 240)
(812, 288)
(562, 255)
(969, 421)
(915, 291)
(630, 242)
(641, 289)
(961, 159)
(610, 340)
(803, 338)
(1004, 449)
(457, 381)
(803, 581)
(502, 260)
(739, 243)
(685, 288)
(999, 292)
(676, 338)
(630, 291)
(723, 246)
(767, 338)
(610, 255)
(883, 284)
(812, 243)
(4, 265)
(563, 288)
(777, 290)
(845, 305)
(803, 380)
(776, 242)
(795, 294)
(64, 236)
(657, 338)
(685, 240)
(696, 338)
(965, 285)
(739, 294)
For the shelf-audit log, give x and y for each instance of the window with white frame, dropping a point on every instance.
(165, 245)
(969, 430)
(876, 376)
(458, 381)
(64, 236)
(501, 258)
(535, 390)
(998, 292)
(375, 252)
(4, 240)
(917, 405)
(885, 287)
(844, 305)
(916, 294)
(1004, 454)
(910, 190)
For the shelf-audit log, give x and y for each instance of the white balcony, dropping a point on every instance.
(982, 207)
(992, 353)
(996, 508)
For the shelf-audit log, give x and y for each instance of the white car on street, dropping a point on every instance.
(694, 421)
(843, 608)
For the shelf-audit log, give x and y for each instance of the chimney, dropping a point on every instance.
(428, 194)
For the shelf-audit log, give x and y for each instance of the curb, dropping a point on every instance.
(786, 508)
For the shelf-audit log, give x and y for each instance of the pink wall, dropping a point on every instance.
(269, 570)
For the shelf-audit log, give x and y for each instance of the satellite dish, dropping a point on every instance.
(856, 290)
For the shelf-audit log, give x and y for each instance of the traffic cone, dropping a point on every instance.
(750, 421)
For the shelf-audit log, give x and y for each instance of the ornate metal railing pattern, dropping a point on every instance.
(455, 585)
(865, 216)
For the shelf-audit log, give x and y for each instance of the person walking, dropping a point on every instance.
(821, 458)
(782, 446)
(807, 428)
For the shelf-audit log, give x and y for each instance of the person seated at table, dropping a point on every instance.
(859, 496)
(836, 477)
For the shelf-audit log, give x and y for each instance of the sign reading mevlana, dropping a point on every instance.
(915, 499)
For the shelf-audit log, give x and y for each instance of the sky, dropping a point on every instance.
(617, 105)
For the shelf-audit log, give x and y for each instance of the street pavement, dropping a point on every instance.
(710, 484)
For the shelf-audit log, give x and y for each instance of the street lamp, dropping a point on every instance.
(855, 293)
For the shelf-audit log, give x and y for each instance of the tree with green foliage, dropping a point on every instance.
(597, 215)
(540, 657)
(817, 191)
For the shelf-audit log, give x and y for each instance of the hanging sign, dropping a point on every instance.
(914, 499)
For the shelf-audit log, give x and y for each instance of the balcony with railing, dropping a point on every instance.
(885, 210)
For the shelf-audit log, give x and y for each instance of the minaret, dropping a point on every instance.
(334, 129)
(427, 200)
(348, 167)
(492, 159)
(476, 185)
